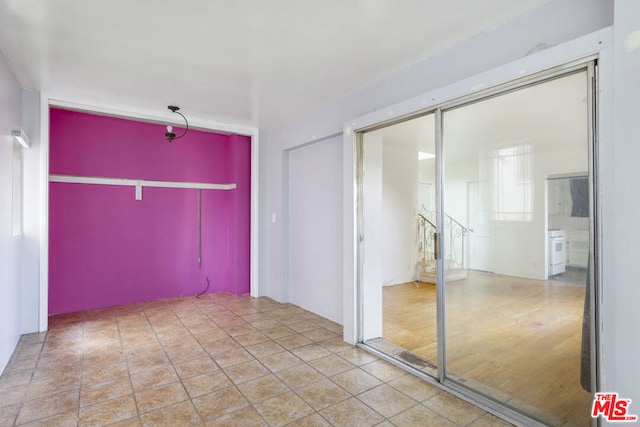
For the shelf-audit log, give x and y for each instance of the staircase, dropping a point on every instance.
(454, 235)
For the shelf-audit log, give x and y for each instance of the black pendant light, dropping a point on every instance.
(169, 134)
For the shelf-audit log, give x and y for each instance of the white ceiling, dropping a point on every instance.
(253, 62)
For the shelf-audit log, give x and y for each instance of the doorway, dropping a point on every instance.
(491, 324)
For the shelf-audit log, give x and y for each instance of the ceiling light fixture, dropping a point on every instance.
(21, 137)
(169, 134)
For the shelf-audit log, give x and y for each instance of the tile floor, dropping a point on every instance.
(217, 360)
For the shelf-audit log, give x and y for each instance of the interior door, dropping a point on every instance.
(481, 227)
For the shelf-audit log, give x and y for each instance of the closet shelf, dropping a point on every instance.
(138, 183)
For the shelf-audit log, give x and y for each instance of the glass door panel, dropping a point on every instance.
(399, 218)
(515, 191)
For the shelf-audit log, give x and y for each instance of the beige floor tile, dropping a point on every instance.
(99, 338)
(265, 324)
(171, 332)
(26, 362)
(100, 374)
(221, 346)
(205, 338)
(358, 357)
(130, 422)
(303, 326)
(251, 339)
(299, 376)
(415, 387)
(233, 357)
(61, 371)
(294, 341)
(263, 388)
(283, 409)
(153, 377)
(181, 414)
(66, 348)
(280, 361)
(51, 386)
(90, 394)
(331, 365)
(181, 347)
(336, 345)
(489, 420)
(69, 419)
(144, 361)
(356, 381)
(206, 383)
(15, 378)
(109, 412)
(323, 393)
(195, 367)
(246, 417)
(101, 357)
(320, 334)
(384, 370)
(158, 397)
(263, 349)
(420, 416)
(219, 403)
(351, 412)
(226, 319)
(30, 349)
(387, 400)
(279, 332)
(185, 354)
(49, 406)
(313, 420)
(240, 329)
(453, 408)
(13, 395)
(8, 414)
(246, 371)
(186, 341)
(36, 337)
(311, 352)
(132, 342)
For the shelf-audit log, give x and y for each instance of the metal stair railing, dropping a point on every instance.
(455, 235)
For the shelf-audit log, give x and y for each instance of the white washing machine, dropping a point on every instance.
(557, 251)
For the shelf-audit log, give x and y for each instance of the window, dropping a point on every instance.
(513, 180)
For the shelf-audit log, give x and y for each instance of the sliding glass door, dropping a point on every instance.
(477, 257)
(515, 323)
(399, 207)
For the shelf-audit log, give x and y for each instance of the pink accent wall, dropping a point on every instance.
(106, 248)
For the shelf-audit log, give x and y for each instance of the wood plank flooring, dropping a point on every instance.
(515, 339)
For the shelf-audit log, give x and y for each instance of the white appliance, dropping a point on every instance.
(557, 251)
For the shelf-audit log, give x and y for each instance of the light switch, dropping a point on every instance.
(273, 218)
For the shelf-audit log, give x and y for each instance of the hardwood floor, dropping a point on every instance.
(514, 339)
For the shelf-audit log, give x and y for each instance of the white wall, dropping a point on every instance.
(373, 243)
(32, 212)
(399, 211)
(621, 205)
(10, 245)
(315, 243)
(546, 26)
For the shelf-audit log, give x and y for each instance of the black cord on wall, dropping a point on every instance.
(205, 290)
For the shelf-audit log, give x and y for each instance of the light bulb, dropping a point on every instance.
(169, 128)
